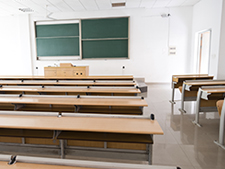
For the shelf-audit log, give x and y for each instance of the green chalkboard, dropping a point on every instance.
(104, 38)
(104, 28)
(57, 40)
(57, 47)
(105, 49)
(57, 30)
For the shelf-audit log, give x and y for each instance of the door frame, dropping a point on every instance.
(198, 48)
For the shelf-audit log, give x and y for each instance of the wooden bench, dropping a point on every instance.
(190, 88)
(177, 80)
(121, 133)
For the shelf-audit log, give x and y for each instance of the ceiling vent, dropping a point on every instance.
(26, 9)
(120, 4)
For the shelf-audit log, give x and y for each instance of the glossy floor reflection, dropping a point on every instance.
(183, 144)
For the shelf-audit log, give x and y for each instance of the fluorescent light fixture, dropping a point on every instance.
(119, 4)
(26, 9)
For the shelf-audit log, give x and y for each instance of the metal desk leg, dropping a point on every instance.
(182, 99)
(149, 151)
(221, 129)
(150, 154)
(197, 109)
(62, 149)
(173, 91)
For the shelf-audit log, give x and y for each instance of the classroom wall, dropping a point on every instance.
(207, 15)
(150, 35)
(221, 61)
(15, 57)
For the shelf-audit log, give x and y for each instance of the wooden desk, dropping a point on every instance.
(220, 141)
(67, 83)
(177, 80)
(125, 77)
(190, 89)
(206, 100)
(87, 104)
(125, 130)
(88, 124)
(64, 90)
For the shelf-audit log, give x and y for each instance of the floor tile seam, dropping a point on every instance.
(186, 155)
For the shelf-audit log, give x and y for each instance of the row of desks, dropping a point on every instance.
(65, 90)
(67, 83)
(133, 133)
(206, 93)
(124, 77)
(127, 129)
(177, 81)
(84, 104)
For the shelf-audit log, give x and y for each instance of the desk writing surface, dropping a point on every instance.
(62, 89)
(214, 90)
(74, 101)
(69, 83)
(89, 124)
(201, 83)
(18, 165)
(85, 77)
(175, 78)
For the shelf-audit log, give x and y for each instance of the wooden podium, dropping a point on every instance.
(67, 70)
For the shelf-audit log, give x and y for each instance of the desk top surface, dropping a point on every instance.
(214, 90)
(206, 82)
(74, 101)
(67, 83)
(85, 77)
(69, 89)
(18, 165)
(190, 76)
(88, 124)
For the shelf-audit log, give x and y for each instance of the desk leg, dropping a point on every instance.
(62, 148)
(23, 140)
(182, 99)
(149, 151)
(173, 91)
(197, 109)
(221, 129)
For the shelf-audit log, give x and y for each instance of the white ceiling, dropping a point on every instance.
(9, 7)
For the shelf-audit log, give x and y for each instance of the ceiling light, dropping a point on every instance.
(26, 9)
(120, 4)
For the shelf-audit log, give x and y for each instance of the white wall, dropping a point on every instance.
(221, 61)
(148, 43)
(15, 46)
(207, 15)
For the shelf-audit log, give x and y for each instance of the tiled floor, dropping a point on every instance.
(183, 144)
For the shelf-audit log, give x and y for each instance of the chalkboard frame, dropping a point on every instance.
(56, 22)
